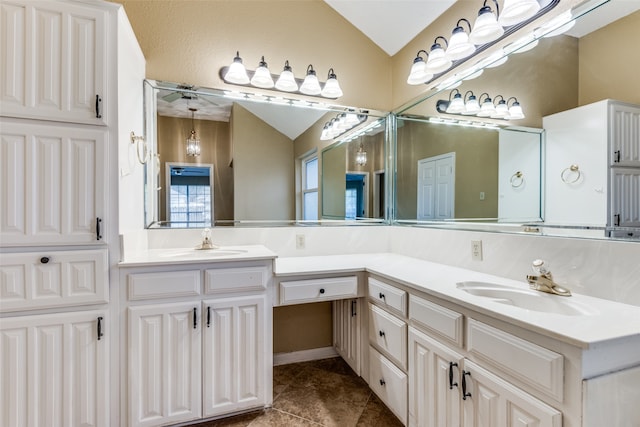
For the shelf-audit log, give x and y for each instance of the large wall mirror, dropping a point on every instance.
(480, 173)
(229, 158)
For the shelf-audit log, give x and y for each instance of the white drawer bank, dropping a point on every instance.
(196, 336)
(530, 368)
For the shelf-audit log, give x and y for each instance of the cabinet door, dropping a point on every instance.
(624, 128)
(54, 370)
(164, 364)
(234, 354)
(53, 59)
(53, 187)
(625, 197)
(346, 331)
(490, 401)
(434, 382)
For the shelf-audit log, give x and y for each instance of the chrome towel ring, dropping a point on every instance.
(571, 175)
(517, 179)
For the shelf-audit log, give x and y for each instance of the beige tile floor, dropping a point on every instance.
(318, 393)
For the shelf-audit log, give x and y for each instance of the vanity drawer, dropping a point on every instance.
(313, 290)
(438, 320)
(167, 284)
(534, 365)
(235, 279)
(389, 334)
(389, 297)
(46, 279)
(389, 383)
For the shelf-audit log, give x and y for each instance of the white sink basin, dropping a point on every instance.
(526, 298)
(200, 253)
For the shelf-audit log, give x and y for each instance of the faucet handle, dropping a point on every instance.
(539, 267)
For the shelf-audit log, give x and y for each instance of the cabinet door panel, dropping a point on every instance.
(58, 191)
(346, 331)
(234, 354)
(54, 370)
(164, 364)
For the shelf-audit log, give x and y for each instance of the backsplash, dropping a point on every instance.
(600, 268)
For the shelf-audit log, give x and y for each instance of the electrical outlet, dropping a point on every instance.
(476, 250)
(300, 241)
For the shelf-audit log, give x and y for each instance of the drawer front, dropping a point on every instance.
(167, 284)
(536, 366)
(389, 383)
(390, 297)
(313, 290)
(389, 334)
(33, 280)
(436, 319)
(235, 279)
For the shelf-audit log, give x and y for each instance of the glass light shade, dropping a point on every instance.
(486, 109)
(502, 111)
(471, 106)
(459, 45)
(516, 11)
(286, 82)
(326, 132)
(486, 28)
(310, 85)
(236, 73)
(193, 145)
(361, 156)
(418, 74)
(456, 105)
(352, 119)
(262, 78)
(515, 111)
(331, 88)
(437, 61)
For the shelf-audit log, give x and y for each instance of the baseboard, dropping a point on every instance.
(304, 355)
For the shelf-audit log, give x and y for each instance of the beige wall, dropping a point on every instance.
(476, 166)
(190, 40)
(263, 170)
(215, 146)
(302, 327)
(610, 62)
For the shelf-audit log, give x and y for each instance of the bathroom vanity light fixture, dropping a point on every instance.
(341, 123)
(262, 78)
(489, 28)
(361, 156)
(193, 142)
(482, 106)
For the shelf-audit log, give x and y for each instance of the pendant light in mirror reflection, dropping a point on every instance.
(193, 142)
(237, 74)
(361, 156)
(482, 106)
(489, 27)
(341, 124)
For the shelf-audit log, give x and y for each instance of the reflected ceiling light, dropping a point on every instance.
(341, 123)
(310, 85)
(286, 81)
(236, 73)
(474, 75)
(501, 109)
(437, 61)
(456, 105)
(523, 44)
(486, 107)
(418, 73)
(558, 25)
(262, 77)
(331, 87)
(486, 28)
(193, 142)
(516, 11)
(459, 46)
(515, 110)
(361, 156)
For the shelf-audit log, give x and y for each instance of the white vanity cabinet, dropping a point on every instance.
(54, 370)
(198, 341)
(55, 61)
(347, 331)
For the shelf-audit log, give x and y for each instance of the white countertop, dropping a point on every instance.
(196, 256)
(607, 324)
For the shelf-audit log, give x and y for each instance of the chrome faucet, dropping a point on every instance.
(543, 280)
(206, 240)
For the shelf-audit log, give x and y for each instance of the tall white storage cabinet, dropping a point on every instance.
(593, 165)
(61, 67)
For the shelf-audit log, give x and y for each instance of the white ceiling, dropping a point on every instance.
(390, 24)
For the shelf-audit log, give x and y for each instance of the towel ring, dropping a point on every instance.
(140, 142)
(567, 173)
(517, 179)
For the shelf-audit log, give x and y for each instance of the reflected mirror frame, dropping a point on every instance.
(151, 197)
